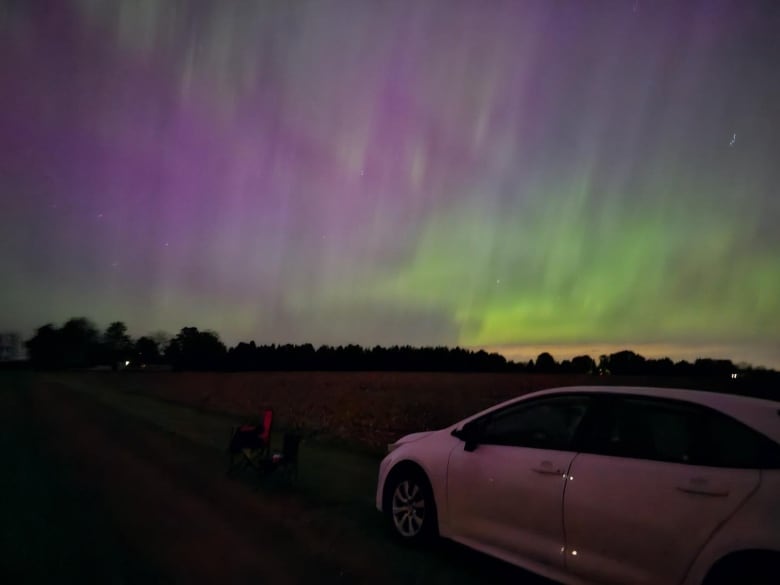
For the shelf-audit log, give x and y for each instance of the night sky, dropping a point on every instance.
(577, 177)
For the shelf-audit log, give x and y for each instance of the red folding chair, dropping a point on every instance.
(250, 445)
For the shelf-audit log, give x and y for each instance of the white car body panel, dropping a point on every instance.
(506, 479)
(617, 513)
(756, 526)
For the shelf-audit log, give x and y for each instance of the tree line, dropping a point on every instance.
(80, 344)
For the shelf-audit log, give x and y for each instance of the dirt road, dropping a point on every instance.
(121, 489)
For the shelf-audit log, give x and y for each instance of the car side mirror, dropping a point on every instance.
(470, 435)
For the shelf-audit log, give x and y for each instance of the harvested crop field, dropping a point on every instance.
(362, 409)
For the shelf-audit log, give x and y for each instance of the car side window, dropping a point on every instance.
(543, 424)
(647, 429)
(726, 442)
(676, 432)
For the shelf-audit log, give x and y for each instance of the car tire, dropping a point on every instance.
(746, 579)
(410, 507)
(756, 577)
(752, 569)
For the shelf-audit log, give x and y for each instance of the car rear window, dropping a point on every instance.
(680, 432)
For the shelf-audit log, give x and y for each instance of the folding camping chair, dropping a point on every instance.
(250, 445)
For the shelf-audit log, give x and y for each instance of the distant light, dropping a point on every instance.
(574, 552)
(127, 363)
(734, 376)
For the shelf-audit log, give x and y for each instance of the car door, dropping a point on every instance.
(505, 496)
(651, 491)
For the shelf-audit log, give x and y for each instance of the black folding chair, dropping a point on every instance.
(287, 460)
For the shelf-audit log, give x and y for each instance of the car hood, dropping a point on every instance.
(410, 439)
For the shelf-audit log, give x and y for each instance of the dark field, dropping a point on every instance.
(119, 478)
(103, 484)
(364, 410)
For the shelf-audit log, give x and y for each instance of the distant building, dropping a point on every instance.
(10, 347)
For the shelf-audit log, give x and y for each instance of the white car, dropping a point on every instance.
(601, 485)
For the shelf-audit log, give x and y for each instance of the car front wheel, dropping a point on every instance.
(410, 506)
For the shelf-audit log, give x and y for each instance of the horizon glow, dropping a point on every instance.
(510, 175)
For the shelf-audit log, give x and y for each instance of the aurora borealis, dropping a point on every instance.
(515, 175)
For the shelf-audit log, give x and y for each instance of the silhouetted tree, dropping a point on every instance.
(74, 345)
(196, 350)
(626, 363)
(545, 363)
(583, 364)
(80, 343)
(242, 357)
(146, 351)
(683, 368)
(248, 356)
(117, 345)
(659, 367)
(711, 367)
(44, 348)
(162, 339)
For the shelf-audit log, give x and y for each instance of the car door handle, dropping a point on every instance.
(547, 468)
(702, 487)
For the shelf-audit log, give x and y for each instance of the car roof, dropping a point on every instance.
(761, 414)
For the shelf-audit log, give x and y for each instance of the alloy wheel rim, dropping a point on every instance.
(408, 508)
